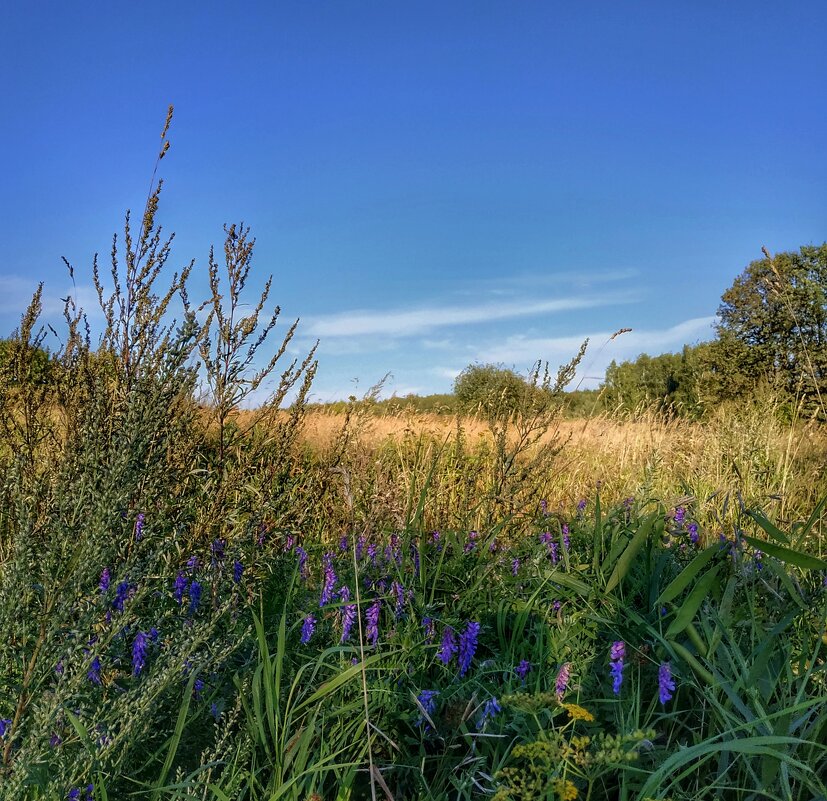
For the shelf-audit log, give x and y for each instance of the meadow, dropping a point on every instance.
(199, 600)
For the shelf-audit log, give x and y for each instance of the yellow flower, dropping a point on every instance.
(577, 712)
(565, 790)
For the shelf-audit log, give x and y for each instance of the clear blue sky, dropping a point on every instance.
(432, 184)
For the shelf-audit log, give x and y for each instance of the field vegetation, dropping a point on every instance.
(492, 599)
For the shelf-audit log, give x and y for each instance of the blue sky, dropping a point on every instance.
(431, 184)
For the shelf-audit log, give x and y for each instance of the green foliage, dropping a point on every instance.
(773, 328)
(489, 389)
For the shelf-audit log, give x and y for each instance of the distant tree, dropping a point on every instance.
(489, 388)
(773, 328)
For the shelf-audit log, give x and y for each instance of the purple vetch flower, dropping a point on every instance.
(348, 619)
(59, 667)
(471, 545)
(218, 547)
(197, 688)
(54, 741)
(435, 535)
(468, 646)
(329, 581)
(617, 654)
(195, 596)
(427, 700)
(399, 592)
(430, 628)
(105, 579)
(360, 546)
(523, 669)
(372, 552)
(666, 684)
(5, 725)
(561, 684)
(302, 554)
(74, 794)
(192, 563)
(448, 647)
(121, 594)
(680, 514)
(238, 571)
(343, 544)
(566, 537)
(556, 606)
(581, 505)
(214, 711)
(692, 528)
(308, 627)
(289, 542)
(139, 526)
(489, 710)
(544, 507)
(94, 672)
(179, 587)
(139, 653)
(415, 557)
(372, 617)
(515, 566)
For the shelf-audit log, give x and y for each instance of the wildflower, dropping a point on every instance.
(515, 566)
(523, 669)
(343, 544)
(692, 528)
(372, 552)
(179, 587)
(302, 561)
(214, 711)
(197, 688)
(139, 527)
(360, 546)
(238, 571)
(59, 668)
(195, 596)
(448, 647)
(468, 646)
(348, 619)
(581, 506)
(577, 712)
(415, 557)
(627, 504)
(74, 794)
(435, 535)
(329, 581)
(372, 617)
(153, 634)
(617, 654)
(399, 591)
(564, 789)
(544, 507)
(556, 606)
(55, 740)
(666, 684)
(139, 653)
(121, 594)
(489, 710)
(429, 626)
(563, 679)
(5, 725)
(103, 584)
(192, 563)
(94, 672)
(289, 542)
(308, 627)
(566, 537)
(680, 514)
(427, 700)
(217, 549)
(471, 545)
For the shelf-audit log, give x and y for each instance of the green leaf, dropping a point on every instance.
(682, 580)
(690, 606)
(627, 557)
(788, 555)
(770, 527)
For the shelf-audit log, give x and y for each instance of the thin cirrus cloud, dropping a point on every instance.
(412, 322)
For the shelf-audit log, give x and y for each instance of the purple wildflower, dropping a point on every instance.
(153, 634)
(372, 552)
(523, 669)
(515, 566)
(544, 507)
(94, 672)
(348, 619)
(74, 794)
(581, 506)
(329, 581)
(430, 627)
(563, 679)
(217, 549)
(471, 545)
(103, 584)
(139, 526)
(566, 537)
(289, 542)
(139, 653)
(617, 654)
(198, 687)
(343, 544)
(680, 514)
(5, 725)
(468, 646)
(399, 591)
(489, 710)
(415, 557)
(59, 667)
(448, 647)
(427, 700)
(121, 594)
(692, 528)
(195, 596)
(238, 571)
(372, 617)
(179, 587)
(54, 741)
(214, 711)
(308, 627)
(360, 546)
(666, 684)
(435, 535)
(192, 562)
(302, 561)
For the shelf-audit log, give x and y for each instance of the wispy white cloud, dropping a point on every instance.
(409, 322)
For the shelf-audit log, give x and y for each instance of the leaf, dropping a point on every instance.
(690, 606)
(175, 740)
(769, 527)
(682, 580)
(626, 558)
(788, 555)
